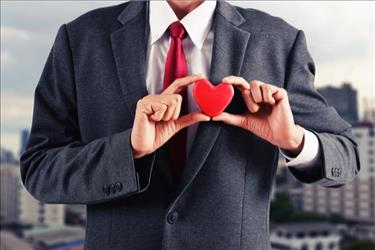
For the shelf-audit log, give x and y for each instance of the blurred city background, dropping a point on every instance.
(340, 37)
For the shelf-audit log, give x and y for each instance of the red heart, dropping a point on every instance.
(211, 99)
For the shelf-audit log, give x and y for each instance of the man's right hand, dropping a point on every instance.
(157, 117)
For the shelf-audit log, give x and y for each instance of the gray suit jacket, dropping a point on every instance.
(79, 148)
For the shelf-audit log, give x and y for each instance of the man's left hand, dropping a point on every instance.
(269, 115)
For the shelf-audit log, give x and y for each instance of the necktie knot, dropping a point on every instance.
(177, 30)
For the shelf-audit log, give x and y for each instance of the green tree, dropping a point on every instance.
(336, 218)
(282, 209)
(360, 245)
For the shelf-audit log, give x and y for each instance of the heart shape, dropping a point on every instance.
(211, 99)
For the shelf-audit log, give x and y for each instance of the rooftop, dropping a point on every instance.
(306, 227)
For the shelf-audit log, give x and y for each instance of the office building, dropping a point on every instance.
(356, 200)
(9, 241)
(344, 100)
(38, 213)
(305, 236)
(56, 237)
(23, 140)
(9, 187)
(7, 157)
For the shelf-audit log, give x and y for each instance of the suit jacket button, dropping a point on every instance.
(106, 189)
(335, 172)
(172, 217)
(118, 186)
(113, 188)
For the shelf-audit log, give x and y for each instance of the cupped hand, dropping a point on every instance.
(157, 117)
(269, 115)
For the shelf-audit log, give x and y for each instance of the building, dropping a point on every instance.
(17, 204)
(9, 241)
(23, 142)
(305, 236)
(355, 201)
(369, 115)
(344, 100)
(296, 196)
(9, 188)
(369, 111)
(34, 211)
(56, 238)
(285, 182)
(38, 213)
(7, 157)
(363, 232)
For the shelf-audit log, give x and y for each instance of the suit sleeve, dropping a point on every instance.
(338, 157)
(57, 167)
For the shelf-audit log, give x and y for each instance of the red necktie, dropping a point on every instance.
(176, 67)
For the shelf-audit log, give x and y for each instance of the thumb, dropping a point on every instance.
(231, 119)
(189, 119)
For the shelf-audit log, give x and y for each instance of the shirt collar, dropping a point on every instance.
(197, 23)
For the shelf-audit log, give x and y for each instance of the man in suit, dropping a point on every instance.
(115, 126)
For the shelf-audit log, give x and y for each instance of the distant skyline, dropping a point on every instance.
(340, 38)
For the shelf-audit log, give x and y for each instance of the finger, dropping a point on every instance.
(159, 110)
(251, 105)
(169, 112)
(237, 81)
(280, 94)
(144, 105)
(172, 101)
(255, 91)
(231, 119)
(267, 94)
(189, 119)
(177, 110)
(177, 85)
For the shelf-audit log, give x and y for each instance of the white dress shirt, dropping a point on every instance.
(197, 47)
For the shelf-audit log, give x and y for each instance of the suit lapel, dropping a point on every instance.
(129, 50)
(228, 52)
(129, 44)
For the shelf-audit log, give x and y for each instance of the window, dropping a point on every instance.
(325, 233)
(331, 245)
(313, 234)
(280, 246)
(300, 235)
(319, 246)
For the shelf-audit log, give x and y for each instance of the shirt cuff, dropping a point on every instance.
(309, 154)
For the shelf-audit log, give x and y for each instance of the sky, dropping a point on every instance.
(340, 37)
